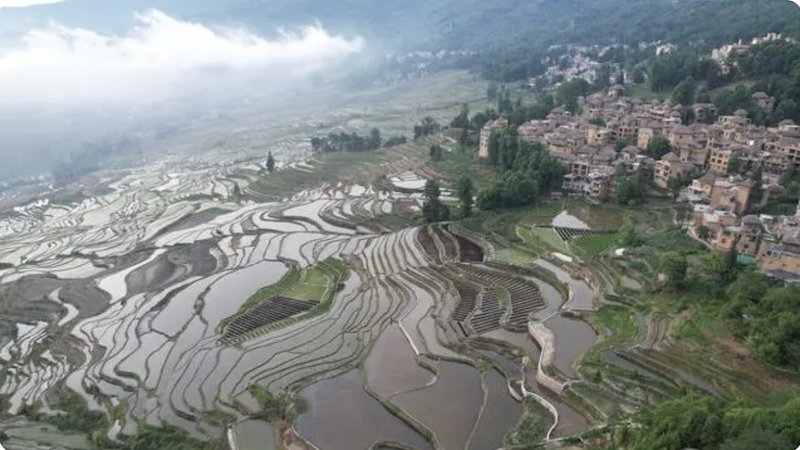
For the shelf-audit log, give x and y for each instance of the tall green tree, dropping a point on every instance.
(684, 92)
(374, 142)
(435, 152)
(433, 209)
(658, 147)
(462, 119)
(674, 267)
(465, 195)
(270, 163)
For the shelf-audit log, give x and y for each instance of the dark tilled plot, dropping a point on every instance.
(274, 310)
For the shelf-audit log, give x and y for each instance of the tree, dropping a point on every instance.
(374, 141)
(394, 141)
(433, 209)
(622, 143)
(674, 267)
(567, 93)
(462, 119)
(628, 237)
(638, 75)
(236, 195)
(431, 190)
(757, 192)
(491, 92)
(775, 328)
(270, 163)
(684, 92)
(435, 152)
(703, 232)
(658, 147)
(465, 195)
(429, 126)
(756, 439)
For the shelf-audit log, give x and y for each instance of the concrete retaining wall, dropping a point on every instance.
(544, 337)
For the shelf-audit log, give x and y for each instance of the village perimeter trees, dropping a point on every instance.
(526, 170)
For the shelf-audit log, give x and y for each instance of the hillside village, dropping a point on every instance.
(722, 171)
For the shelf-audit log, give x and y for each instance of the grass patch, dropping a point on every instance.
(594, 244)
(532, 427)
(674, 240)
(502, 296)
(312, 287)
(692, 331)
(621, 322)
(551, 238)
(543, 214)
(513, 256)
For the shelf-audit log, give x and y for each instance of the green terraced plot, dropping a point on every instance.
(594, 244)
(551, 238)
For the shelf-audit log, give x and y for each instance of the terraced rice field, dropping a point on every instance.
(187, 281)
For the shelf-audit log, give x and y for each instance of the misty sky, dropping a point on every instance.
(158, 56)
(24, 3)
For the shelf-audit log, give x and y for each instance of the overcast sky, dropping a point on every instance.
(24, 3)
(159, 55)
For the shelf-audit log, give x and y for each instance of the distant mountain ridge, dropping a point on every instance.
(452, 24)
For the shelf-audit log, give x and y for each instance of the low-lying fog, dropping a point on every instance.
(61, 86)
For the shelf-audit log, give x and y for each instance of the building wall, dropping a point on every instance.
(748, 243)
(644, 138)
(787, 262)
(661, 174)
(483, 149)
(719, 160)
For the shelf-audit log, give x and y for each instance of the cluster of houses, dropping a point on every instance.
(613, 132)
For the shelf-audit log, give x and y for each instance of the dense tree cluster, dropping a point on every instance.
(709, 423)
(631, 189)
(344, 142)
(768, 317)
(427, 127)
(395, 141)
(568, 92)
(669, 70)
(465, 195)
(527, 171)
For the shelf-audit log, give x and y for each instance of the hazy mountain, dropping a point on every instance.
(444, 23)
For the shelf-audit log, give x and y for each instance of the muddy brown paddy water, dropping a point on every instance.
(341, 416)
(573, 338)
(391, 367)
(500, 414)
(450, 406)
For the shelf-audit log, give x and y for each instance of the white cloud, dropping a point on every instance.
(158, 56)
(25, 3)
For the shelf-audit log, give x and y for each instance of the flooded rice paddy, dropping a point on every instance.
(572, 339)
(254, 435)
(341, 416)
(153, 334)
(450, 406)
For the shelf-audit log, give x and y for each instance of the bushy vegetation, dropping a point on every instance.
(532, 427)
(169, 438)
(526, 171)
(433, 209)
(427, 127)
(708, 423)
(785, 202)
(344, 142)
(76, 416)
(284, 405)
